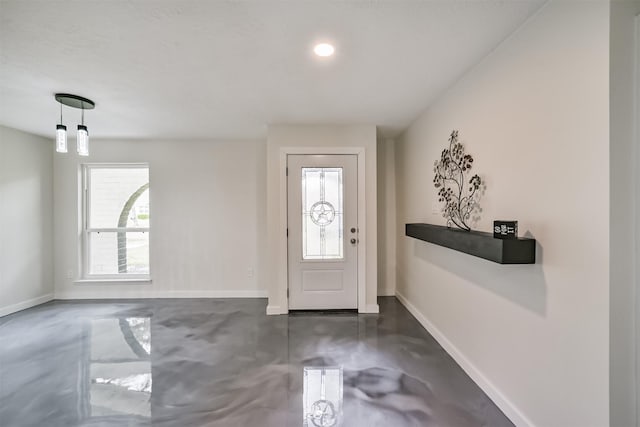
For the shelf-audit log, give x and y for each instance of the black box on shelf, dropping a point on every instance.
(505, 229)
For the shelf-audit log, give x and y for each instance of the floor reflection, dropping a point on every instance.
(120, 367)
(322, 396)
(224, 363)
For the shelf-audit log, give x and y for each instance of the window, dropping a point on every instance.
(116, 221)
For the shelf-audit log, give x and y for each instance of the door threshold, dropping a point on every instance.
(324, 312)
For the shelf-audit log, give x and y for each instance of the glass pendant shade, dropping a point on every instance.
(83, 140)
(61, 138)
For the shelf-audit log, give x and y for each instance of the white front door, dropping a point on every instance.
(322, 199)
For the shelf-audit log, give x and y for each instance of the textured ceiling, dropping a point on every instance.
(226, 69)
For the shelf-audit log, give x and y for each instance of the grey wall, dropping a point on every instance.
(322, 137)
(386, 218)
(207, 219)
(26, 218)
(535, 116)
(624, 176)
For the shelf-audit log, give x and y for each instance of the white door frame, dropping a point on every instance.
(282, 227)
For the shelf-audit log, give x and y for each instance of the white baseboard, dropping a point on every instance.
(137, 294)
(25, 304)
(371, 308)
(510, 410)
(275, 309)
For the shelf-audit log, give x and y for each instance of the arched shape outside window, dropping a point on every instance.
(122, 223)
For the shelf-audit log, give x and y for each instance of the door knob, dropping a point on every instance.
(353, 229)
(353, 241)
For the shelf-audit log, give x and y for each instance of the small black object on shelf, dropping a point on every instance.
(505, 229)
(476, 243)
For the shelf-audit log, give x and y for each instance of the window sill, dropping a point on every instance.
(114, 281)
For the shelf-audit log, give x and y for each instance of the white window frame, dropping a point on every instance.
(86, 211)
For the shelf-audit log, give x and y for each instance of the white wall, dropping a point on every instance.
(623, 186)
(317, 136)
(207, 201)
(386, 218)
(26, 212)
(534, 114)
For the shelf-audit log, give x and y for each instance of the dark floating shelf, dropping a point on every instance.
(476, 243)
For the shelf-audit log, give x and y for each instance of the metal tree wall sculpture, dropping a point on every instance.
(460, 196)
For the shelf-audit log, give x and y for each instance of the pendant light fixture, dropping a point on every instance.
(82, 140)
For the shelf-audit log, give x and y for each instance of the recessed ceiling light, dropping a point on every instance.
(324, 49)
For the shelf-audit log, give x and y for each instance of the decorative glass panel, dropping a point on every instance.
(322, 213)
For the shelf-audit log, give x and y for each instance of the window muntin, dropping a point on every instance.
(116, 221)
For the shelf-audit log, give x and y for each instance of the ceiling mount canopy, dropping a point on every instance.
(75, 101)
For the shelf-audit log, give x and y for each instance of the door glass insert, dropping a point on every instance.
(322, 213)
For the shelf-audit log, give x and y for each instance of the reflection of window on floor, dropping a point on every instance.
(120, 367)
(322, 396)
(116, 223)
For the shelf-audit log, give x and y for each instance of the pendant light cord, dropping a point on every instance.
(61, 113)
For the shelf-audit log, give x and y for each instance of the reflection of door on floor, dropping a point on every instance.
(322, 231)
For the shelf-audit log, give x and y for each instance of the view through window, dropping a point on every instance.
(116, 220)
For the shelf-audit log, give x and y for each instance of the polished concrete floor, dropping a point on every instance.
(225, 363)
